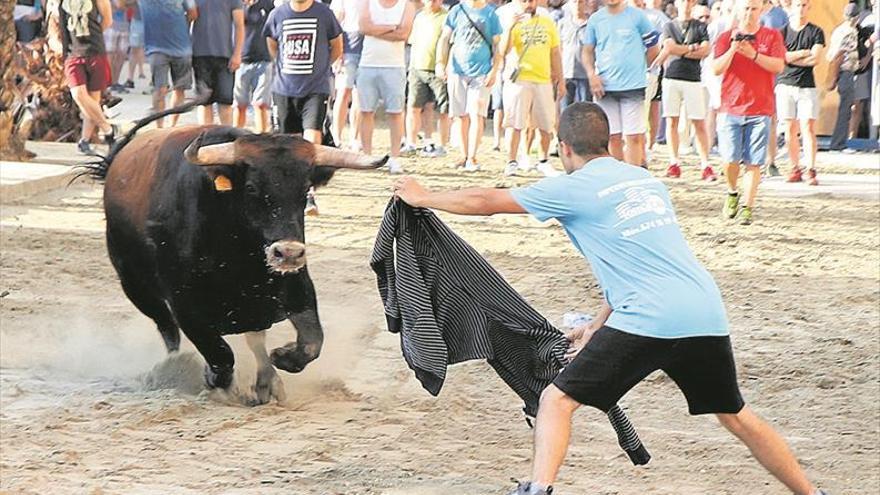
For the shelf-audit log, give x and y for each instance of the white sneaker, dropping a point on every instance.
(470, 166)
(408, 150)
(439, 151)
(523, 161)
(511, 169)
(394, 166)
(545, 168)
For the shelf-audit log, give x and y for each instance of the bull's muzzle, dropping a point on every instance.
(286, 256)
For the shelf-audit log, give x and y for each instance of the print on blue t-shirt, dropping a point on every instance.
(621, 219)
(302, 67)
(166, 29)
(619, 48)
(471, 54)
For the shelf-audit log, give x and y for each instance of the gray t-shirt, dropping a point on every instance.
(212, 31)
(569, 33)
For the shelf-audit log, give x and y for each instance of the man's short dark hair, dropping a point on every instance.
(584, 128)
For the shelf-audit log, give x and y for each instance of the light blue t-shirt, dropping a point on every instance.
(621, 219)
(166, 29)
(471, 54)
(620, 50)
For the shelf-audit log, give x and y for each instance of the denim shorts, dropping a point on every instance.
(347, 76)
(381, 83)
(743, 138)
(253, 81)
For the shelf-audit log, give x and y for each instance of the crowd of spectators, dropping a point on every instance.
(718, 77)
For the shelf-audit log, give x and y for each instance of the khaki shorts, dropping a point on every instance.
(468, 96)
(688, 93)
(529, 104)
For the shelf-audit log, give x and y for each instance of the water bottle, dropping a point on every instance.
(574, 319)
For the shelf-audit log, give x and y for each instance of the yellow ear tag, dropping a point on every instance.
(222, 183)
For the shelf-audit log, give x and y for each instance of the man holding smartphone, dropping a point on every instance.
(748, 58)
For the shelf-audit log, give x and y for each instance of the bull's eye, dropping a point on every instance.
(251, 189)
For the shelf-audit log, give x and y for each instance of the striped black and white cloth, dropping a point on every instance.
(449, 305)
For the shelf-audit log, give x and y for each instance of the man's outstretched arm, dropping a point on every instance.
(474, 201)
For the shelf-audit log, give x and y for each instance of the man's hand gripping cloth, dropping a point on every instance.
(449, 305)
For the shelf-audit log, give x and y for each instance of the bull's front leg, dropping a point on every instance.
(302, 311)
(294, 356)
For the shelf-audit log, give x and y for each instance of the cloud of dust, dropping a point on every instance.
(91, 346)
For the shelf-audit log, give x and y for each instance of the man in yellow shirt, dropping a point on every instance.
(424, 84)
(528, 90)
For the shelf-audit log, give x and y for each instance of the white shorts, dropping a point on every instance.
(529, 104)
(625, 111)
(713, 89)
(468, 96)
(793, 102)
(688, 93)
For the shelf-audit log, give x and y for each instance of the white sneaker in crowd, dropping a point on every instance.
(545, 168)
(394, 166)
(524, 164)
(511, 168)
(470, 166)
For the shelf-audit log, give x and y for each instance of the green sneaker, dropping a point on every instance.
(731, 205)
(745, 216)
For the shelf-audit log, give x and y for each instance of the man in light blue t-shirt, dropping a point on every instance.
(662, 309)
(473, 31)
(618, 44)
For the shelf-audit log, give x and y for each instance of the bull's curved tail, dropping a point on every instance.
(98, 169)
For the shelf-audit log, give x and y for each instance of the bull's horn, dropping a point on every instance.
(334, 157)
(213, 154)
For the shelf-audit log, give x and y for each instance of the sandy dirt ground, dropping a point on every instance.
(90, 404)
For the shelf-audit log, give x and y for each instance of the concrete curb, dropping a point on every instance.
(21, 180)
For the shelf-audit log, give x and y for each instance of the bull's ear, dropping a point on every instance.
(321, 175)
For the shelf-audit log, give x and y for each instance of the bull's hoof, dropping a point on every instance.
(218, 376)
(268, 386)
(292, 358)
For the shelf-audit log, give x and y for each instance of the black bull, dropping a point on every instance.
(205, 230)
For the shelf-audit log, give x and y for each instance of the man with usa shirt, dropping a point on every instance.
(621, 219)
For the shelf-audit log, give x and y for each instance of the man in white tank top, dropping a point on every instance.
(386, 25)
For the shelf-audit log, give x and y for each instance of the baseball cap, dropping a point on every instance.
(851, 10)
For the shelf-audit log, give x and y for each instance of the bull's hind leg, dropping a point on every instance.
(219, 358)
(154, 307)
(268, 382)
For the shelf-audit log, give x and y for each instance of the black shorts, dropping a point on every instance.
(295, 114)
(212, 74)
(423, 87)
(613, 362)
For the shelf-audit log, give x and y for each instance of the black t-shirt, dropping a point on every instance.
(81, 33)
(690, 32)
(865, 32)
(254, 42)
(804, 39)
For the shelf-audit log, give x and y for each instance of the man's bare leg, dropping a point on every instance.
(672, 138)
(731, 173)
(634, 153)
(768, 447)
(340, 113)
(261, 118)
(159, 103)
(751, 180)
(367, 122)
(224, 113)
(176, 100)
(240, 115)
(794, 144)
(497, 129)
(395, 125)
(89, 103)
(206, 114)
(552, 434)
(476, 135)
(615, 146)
(702, 141)
(464, 131)
(811, 145)
(413, 124)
